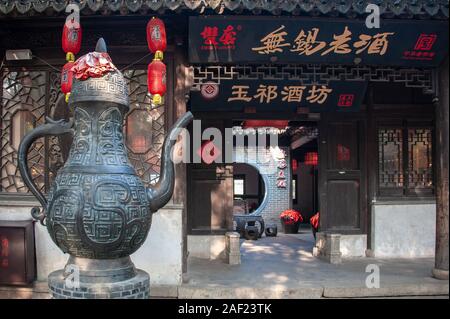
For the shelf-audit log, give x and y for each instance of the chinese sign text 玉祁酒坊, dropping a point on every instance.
(289, 93)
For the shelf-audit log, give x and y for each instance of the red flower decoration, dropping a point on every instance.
(92, 65)
(291, 216)
(314, 221)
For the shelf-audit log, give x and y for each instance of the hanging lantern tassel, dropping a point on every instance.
(71, 39)
(156, 37)
(66, 80)
(156, 80)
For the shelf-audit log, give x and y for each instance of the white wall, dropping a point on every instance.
(206, 246)
(403, 230)
(160, 255)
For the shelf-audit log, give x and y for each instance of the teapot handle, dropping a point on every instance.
(52, 127)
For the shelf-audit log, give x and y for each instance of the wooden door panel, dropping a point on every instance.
(343, 197)
(202, 204)
(343, 146)
(342, 179)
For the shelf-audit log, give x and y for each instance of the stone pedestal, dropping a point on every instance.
(99, 279)
(328, 247)
(233, 248)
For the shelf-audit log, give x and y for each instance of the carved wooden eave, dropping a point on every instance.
(410, 9)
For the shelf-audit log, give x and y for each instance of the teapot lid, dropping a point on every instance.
(96, 79)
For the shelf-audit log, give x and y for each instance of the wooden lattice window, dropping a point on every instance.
(390, 157)
(144, 128)
(405, 159)
(420, 163)
(27, 97)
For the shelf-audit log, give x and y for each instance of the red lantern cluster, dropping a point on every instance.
(157, 44)
(311, 158)
(71, 44)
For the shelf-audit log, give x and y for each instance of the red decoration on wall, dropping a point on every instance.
(425, 42)
(280, 124)
(156, 37)
(281, 183)
(4, 252)
(71, 39)
(346, 100)
(208, 152)
(311, 158)
(343, 153)
(294, 165)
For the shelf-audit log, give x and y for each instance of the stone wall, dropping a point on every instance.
(160, 255)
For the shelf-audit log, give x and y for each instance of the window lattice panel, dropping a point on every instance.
(420, 158)
(146, 158)
(390, 158)
(23, 107)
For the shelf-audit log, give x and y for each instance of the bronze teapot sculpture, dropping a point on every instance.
(97, 207)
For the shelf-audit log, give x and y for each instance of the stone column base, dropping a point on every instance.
(99, 279)
(233, 248)
(440, 274)
(328, 247)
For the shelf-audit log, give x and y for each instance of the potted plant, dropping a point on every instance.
(290, 221)
(314, 221)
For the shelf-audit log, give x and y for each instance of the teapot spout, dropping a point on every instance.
(159, 194)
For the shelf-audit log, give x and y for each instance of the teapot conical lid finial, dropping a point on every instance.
(101, 46)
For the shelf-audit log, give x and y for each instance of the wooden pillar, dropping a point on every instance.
(440, 270)
(181, 89)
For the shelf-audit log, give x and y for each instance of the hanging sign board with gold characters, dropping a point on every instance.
(279, 96)
(239, 39)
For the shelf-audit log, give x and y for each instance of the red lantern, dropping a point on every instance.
(156, 80)
(294, 165)
(66, 79)
(311, 158)
(71, 39)
(266, 123)
(156, 37)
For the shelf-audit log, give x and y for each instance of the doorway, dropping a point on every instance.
(305, 169)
